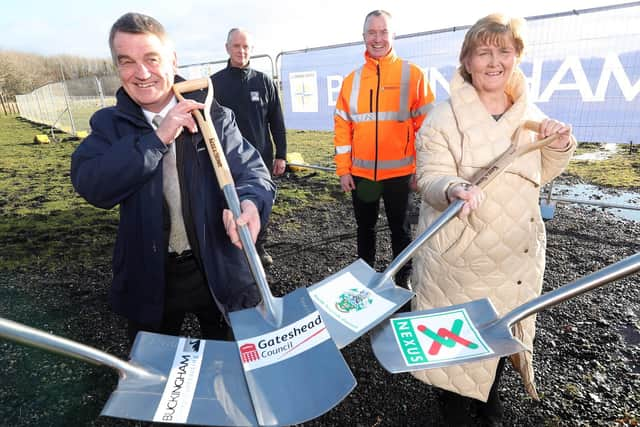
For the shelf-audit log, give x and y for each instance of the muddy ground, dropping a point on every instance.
(587, 351)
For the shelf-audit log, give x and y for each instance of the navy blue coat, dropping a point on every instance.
(120, 163)
(254, 99)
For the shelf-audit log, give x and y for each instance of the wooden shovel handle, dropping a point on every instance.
(532, 125)
(535, 127)
(272, 307)
(513, 152)
(191, 85)
(216, 153)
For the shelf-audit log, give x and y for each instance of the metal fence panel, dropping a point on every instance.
(260, 62)
(68, 105)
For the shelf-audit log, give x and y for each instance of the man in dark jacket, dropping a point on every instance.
(254, 98)
(177, 248)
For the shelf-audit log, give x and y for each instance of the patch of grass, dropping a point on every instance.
(572, 389)
(316, 147)
(45, 223)
(622, 169)
(290, 199)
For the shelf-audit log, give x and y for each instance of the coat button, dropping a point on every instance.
(519, 282)
(526, 250)
(532, 219)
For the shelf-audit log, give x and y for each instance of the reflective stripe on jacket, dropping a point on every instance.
(380, 108)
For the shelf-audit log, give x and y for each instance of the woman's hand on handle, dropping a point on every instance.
(472, 195)
(550, 127)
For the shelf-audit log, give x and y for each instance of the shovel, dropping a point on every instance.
(296, 162)
(357, 298)
(295, 166)
(167, 379)
(293, 369)
(547, 206)
(472, 331)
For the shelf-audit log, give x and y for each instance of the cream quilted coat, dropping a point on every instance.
(499, 250)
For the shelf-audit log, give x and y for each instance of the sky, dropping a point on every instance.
(199, 27)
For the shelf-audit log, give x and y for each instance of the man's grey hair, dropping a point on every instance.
(234, 30)
(136, 23)
(377, 12)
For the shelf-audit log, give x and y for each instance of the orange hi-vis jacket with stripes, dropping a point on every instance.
(380, 108)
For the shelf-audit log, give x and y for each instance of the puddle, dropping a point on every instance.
(604, 153)
(631, 335)
(585, 193)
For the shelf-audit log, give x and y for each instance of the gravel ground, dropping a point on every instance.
(587, 351)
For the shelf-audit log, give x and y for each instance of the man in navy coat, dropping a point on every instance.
(177, 248)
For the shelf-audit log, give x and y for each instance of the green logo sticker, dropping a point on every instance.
(437, 338)
(354, 300)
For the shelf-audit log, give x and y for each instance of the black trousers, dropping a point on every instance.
(395, 194)
(458, 410)
(186, 292)
(263, 235)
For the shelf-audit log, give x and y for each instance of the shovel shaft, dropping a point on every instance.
(273, 309)
(408, 252)
(306, 166)
(27, 335)
(594, 280)
(593, 203)
(225, 180)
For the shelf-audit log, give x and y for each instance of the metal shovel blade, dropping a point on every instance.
(204, 384)
(472, 331)
(547, 206)
(354, 300)
(294, 372)
(440, 337)
(547, 209)
(168, 379)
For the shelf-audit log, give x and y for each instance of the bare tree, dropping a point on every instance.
(23, 72)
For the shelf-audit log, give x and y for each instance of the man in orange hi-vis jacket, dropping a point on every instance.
(380, 108)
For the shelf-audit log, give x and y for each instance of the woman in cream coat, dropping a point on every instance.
(495, 248)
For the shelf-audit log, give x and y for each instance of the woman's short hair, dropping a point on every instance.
(495, 29)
